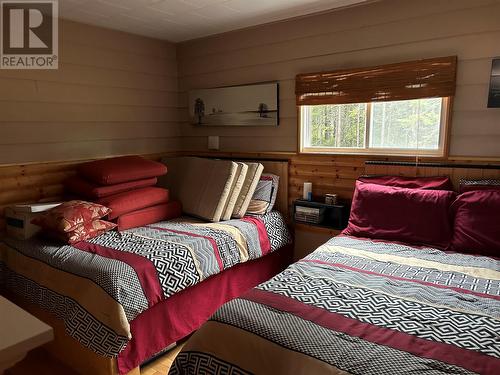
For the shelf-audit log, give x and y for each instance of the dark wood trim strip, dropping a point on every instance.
(433, 165)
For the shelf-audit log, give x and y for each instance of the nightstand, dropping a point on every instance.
(330, 222)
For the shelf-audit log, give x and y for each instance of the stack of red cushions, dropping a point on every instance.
(126, 185)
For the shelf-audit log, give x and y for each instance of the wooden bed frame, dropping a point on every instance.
(43, 182)
(456, 171)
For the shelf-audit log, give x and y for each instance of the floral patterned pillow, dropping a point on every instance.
(70, 215)
(83, 231)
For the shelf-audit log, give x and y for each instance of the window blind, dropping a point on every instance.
(418, 79)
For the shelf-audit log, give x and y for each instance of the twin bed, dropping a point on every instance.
(115, 293)
(121, 298)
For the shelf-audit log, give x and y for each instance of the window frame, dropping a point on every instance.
(441, 152)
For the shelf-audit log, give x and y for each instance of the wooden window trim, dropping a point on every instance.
(441, 153)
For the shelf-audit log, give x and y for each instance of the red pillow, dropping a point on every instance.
(83, 232)
(471, 185)
(150, 215)
(89, 190)
(477, 223)
(433, 183)
(416, 216)
(134, 200)
(69, 215)
(122, 169)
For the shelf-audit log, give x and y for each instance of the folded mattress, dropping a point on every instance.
(203, 186)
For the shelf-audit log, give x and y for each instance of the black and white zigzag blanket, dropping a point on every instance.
(356, 306)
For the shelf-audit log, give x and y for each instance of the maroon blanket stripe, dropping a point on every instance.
(467, 359)
(209, 239)
(143, 267)
(427, 283)
(265, 244)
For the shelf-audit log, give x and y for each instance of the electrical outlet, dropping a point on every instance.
(213, 142)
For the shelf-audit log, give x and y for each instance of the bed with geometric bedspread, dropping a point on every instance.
(357, 306)
(100, 287)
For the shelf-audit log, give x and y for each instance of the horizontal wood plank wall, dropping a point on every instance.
(328, 174)
(377, 33)
(43, 182)
(338, 174)
(114, 93)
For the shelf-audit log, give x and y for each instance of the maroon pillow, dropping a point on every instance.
(134, 200)
(150, 215)
(86, 189)
(122, 169)
(415, 216)
(471, 185)
(433, 183)
(477, 223)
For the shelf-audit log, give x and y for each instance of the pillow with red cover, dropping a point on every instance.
(433, 183)
(69, 215)
(90, 190)
(83, 232)
(415, 216)
(471, 185)
(477, 223)
(134, 200)
(122, 169)
(150, 215)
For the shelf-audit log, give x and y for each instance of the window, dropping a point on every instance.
(395, 109)
(395, 127)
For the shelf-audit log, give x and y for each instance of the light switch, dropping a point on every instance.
(213, 142)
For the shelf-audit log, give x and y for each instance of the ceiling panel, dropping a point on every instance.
(180, 20)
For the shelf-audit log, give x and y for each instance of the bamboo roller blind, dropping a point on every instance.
(402, 81)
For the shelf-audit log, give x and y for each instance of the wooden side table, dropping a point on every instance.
(20, 332)
(309, 237)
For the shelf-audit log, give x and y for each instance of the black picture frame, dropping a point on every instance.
(494, 92)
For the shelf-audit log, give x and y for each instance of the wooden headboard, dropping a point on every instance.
(455, 171)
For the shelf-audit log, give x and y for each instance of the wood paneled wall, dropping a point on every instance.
(377, 33)
(37, 182)
(114, 93)
(43, 182)
(338, 174)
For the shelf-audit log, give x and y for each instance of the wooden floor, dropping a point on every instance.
(39, 363)
(161, 365)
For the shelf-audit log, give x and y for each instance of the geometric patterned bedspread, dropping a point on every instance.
(360, 307)
(98, 287)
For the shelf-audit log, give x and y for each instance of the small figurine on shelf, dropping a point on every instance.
(331, 199)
